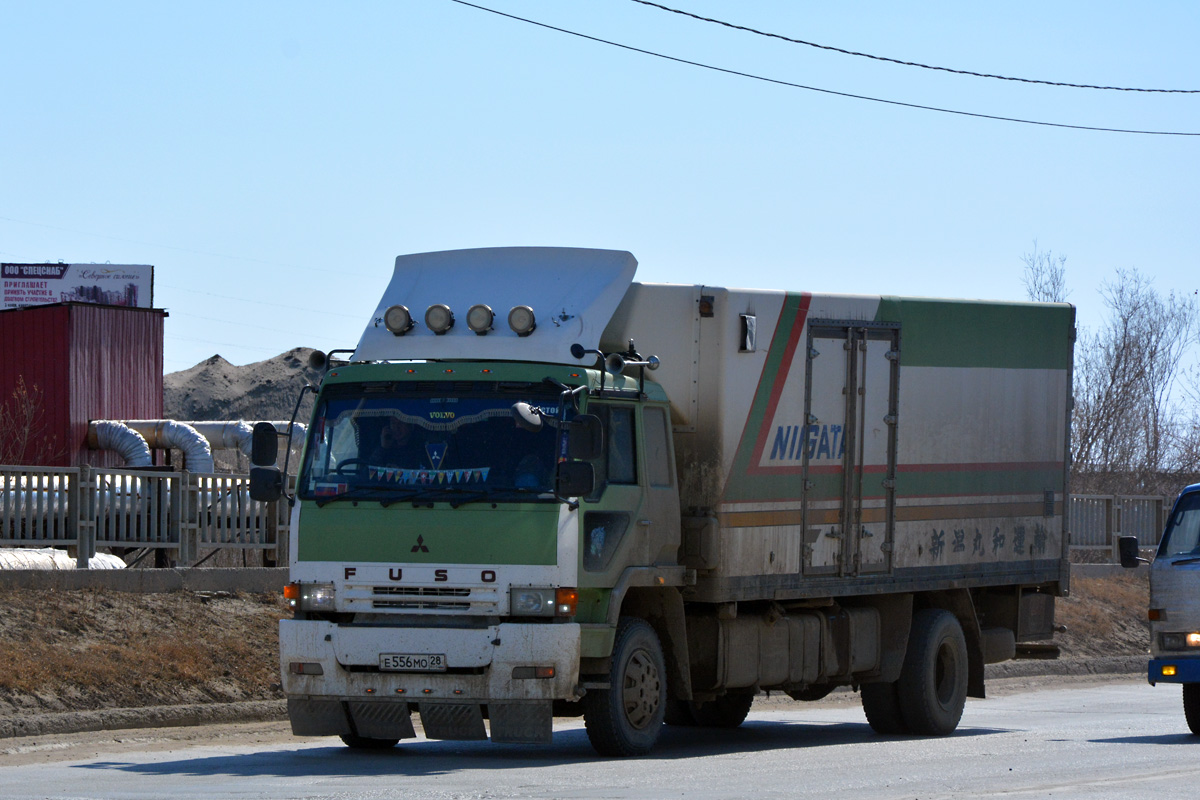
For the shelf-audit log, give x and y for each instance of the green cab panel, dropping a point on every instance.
(518, 533)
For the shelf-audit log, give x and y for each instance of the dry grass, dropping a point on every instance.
(65, 651)
(89, 649)
(1106, 616)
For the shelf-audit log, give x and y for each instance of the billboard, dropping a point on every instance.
(107, 284)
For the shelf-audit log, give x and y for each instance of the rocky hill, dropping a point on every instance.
(214, 389)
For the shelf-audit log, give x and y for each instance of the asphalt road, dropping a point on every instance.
(1119, 740)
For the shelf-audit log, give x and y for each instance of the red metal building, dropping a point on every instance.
(75, 362)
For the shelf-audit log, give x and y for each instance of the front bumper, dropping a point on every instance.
(351, 696)
(1186, 667)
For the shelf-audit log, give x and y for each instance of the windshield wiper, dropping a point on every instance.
(351, 493)
(1191, 560)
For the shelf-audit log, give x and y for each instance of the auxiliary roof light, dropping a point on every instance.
(397, 320)
(439, 318)
(521, 320)
(479, 319)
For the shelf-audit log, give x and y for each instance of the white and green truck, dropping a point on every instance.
(537, 488)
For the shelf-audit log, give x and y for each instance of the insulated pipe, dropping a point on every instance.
(107, 434)
(239, 435)
(165, 433)
(219, 435)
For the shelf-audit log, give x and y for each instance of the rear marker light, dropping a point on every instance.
(305, 668)
(526, 673)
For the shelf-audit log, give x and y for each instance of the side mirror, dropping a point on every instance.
(266, 484)
(264, 446)
(585, 438)
(1127, 546)
(575, 479)
(527, 417)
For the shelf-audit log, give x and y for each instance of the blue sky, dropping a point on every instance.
(272, 159)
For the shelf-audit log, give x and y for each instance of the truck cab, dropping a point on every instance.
(1174, 612)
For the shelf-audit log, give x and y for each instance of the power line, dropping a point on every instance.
(909, 63)
(779, 82)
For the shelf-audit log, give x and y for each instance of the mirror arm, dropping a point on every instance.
(291, 498)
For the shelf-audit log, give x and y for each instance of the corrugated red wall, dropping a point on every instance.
(87, 362)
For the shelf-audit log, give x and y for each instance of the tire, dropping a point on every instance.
(627, 718)
(1191, 706)
(363, 743)
(932, 689)
(881, 704)
(727, 711)
(679, 713)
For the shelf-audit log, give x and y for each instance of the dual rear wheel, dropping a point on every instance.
(929, 697)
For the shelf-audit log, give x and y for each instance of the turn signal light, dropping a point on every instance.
(566, 601)
(1168, 670)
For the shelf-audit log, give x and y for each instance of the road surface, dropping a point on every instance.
(1116, 740)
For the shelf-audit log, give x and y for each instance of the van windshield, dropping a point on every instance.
(1182, 536)
(429, 442)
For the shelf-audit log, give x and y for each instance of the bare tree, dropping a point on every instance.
(1044, 276)
(23, 439)
(1127, 429)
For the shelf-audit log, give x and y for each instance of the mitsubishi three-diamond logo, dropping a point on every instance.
(420, 547)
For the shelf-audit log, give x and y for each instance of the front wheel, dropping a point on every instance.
(932, 689)
(726, 711)
(626, 718)
(1191, 706)
(364, 743)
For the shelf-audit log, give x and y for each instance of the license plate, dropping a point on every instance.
(412, 662)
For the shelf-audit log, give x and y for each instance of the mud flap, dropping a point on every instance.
(381, 720)
(521, 723)
(458, 721)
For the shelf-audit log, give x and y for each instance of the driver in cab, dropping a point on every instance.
(398, 445)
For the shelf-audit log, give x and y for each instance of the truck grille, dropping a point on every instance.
(440, 598)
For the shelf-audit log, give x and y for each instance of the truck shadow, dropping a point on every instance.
(423, 757)
(1158, 738)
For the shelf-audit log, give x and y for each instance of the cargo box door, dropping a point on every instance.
(849, 454)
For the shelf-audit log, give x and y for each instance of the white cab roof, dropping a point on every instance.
(572, 291)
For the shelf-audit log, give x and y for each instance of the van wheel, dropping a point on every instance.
(932, 689)
(626, 719)
(881, 704)
(726, 711)
(1191, 706)
(363, 743)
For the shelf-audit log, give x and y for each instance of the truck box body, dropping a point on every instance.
(799, 489)
(951, 459)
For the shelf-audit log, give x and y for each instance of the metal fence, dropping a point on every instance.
(184, 513)
(1095, 521)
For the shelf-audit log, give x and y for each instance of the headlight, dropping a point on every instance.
(1179, 641)
(310, 596)
(542, 602)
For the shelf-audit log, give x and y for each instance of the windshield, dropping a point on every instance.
(1182, 536)
(430, 442)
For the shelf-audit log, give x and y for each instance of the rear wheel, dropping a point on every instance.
(626, 719)
(1191, 706)
(726, 711)
(932, 689)
(881, 703)
(364, 743)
